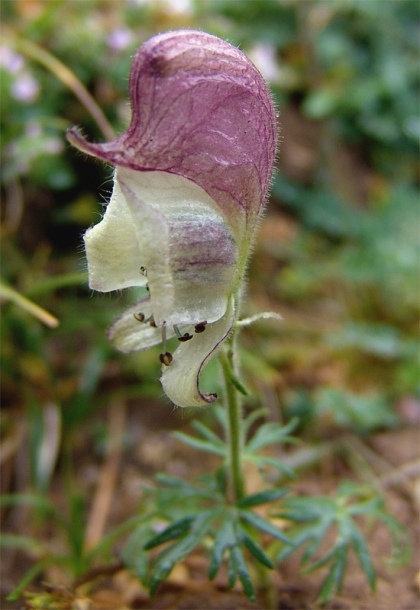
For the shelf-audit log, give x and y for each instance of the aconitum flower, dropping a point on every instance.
(192, 173)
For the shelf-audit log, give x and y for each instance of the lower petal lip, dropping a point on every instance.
(129, 333)
(180, 380)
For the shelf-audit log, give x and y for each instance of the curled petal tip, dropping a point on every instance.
(77, 139)
(74, 136)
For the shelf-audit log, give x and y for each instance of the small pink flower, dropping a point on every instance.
(192, 175)
(10, 60)
(25, 89)
(120, 39)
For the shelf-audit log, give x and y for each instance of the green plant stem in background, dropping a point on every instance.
(235, 435)
(67, 77)
(8, 293)
(49, 284)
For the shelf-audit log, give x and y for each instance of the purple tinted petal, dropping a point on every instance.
(200, 109)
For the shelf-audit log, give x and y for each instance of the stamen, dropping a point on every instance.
(164, 337)
(143, 271)
(184, 337)
(201, 327)
(165, 358)
(140, 317)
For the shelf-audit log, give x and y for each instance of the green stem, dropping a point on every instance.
(8, 293)
(235, 436)
(55, 282)
(268, 591)
(63, 73)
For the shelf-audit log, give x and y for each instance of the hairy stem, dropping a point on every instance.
(235, 436)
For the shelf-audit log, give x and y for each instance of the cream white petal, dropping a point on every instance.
(128, 334)
(180, 380)
(152, 234)
(112, 249)
(187, 246)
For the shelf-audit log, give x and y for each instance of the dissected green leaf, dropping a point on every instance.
(401, 542)
(251, 418)
(176, 552)
(231, 536)
(363, 554)
(334, 580)
(325, 559)
(238, 564)
(175, 530)
(315, 516)
(298, 539)
(208, 434)
(225, 538)
(264, 525)
(316, 534)
(268, 460)
(269, 495)
(232, 570)
(196, 443)
(363, 413)
(255, 550)
(221, 479)
(221, 416)
(186, 490)
(304, 509)
(271, 433)
(365, 508)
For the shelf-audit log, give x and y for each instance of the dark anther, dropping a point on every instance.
(140, 317)
(201, 327)
(185, 337)
(143, 270)
(165, 358)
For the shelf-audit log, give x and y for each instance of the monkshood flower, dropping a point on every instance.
(192, 173)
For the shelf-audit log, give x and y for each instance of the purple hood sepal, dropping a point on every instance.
(200, 109)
